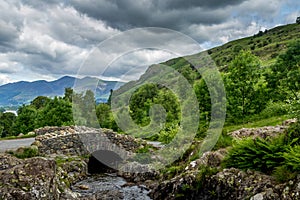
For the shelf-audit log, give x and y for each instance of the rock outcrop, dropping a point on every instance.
(198, 182)
(210, 158)
(136, 172)
(34, 178)
(227, 184)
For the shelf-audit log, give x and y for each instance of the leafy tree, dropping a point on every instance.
(240, 83)
(285, 76)
(40, 102)
(105, 117)
(25, 121)
(203, 97)
(85, 109)
(57, 112)
(6, 122)
(68, 94)
(140, 103)
(109, 98)
(189, 72)
(89, 104)
(149, 94)
(298, 20)
(237, 49)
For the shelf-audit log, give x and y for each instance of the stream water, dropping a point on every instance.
(109, 186)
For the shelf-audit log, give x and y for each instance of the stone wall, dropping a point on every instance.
(262, 132)
(83, 141)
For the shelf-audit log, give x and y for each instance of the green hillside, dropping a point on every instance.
(266, 45)
(251, 64)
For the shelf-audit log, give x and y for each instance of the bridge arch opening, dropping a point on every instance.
(103, 161)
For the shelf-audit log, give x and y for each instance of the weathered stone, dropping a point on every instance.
(289, 122)
(210, 158)
(40, 178)
(227, 184)
(8, 161)
(20, 135)
(137, 172)
(263, 132)
(33, 178)
(83, 187)
(31, 133)
(258, 196)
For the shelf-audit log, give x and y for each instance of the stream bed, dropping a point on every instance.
(109, 186)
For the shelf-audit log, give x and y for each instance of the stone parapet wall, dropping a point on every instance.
(81, 140)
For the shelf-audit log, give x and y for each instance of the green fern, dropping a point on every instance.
(256, 154)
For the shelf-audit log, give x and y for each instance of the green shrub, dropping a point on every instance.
(172, 171)
(257, 154)
(293, 134)
(145, 149)
(274, 109)
(167, 135)
(26, 152)
(223, 142)
(292, 159)
(291, 165)
(282, 174)
(203, 174)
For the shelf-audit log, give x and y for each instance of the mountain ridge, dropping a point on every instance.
(23, 92)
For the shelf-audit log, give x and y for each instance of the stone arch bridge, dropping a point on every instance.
(103, 145)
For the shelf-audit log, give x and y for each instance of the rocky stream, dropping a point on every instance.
(64, 169)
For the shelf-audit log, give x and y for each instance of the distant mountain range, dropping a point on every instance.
(19, 93)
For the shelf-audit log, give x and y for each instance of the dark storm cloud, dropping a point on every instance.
(8, 33)
(211, 4)
(176, 14)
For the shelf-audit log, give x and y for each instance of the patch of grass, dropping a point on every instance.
(26, 152)
(172, 171)
(18, 137)
(223, 142)
(61, 160)
(203, 174)
(145, 149)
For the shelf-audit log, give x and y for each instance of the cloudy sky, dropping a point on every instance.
(50, 39)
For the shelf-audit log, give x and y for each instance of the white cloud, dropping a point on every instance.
(4, 79)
